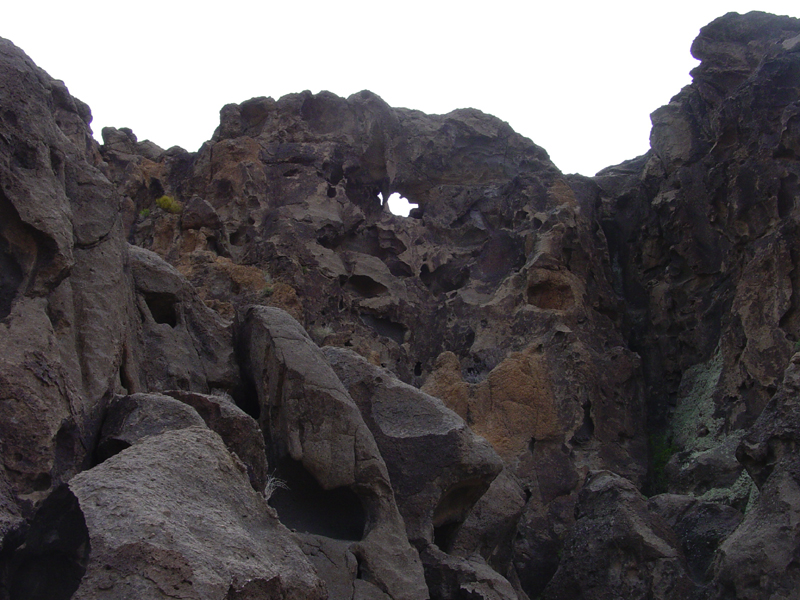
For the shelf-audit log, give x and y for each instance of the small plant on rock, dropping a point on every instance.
(661, 450)
(268, 288)
(273, 483)
(144, 213)
(169, 204)
(320, 332)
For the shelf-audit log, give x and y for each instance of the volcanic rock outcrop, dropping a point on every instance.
(233, 373)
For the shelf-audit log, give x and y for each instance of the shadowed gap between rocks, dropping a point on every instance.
(452, 510)
(52, 561)
(304, 506)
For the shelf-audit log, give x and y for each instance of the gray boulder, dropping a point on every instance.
(182, 343)
(322, 447)
(172, 516)
(438, 466)
(238, 430)
(131, 419)
(618, 548)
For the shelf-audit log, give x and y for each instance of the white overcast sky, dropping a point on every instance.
(578, 78)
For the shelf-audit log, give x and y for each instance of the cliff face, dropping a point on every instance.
(162, 313)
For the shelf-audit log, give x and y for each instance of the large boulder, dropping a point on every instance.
(320, 444)
(65, 304)
(173, 515)
(130, 419)
(182, 343)
(238, 430)
(438, 467)
(618, 548)
(700, 526)
(757, 560)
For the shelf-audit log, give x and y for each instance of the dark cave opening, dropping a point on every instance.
(385, 327)
(453, 508)
(162, 307)
(52, 561)
(551, 295)
(444, 534)
(11, 277)
(304, 506)
(245, 395)
(365, 286)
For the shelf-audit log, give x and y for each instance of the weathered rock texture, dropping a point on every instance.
(507, 370)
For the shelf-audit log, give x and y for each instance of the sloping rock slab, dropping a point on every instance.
(175, 517)
(438, 466)
(130, 419)
(238, 430)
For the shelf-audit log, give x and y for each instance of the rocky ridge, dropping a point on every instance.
(234, 374)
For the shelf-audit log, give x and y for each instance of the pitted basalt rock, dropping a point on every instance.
(635, 326)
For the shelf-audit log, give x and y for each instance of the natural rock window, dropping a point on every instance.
(398, 205)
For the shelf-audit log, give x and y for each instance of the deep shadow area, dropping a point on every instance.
(162, 307)
(385, 327)
(453, 508)
(52, 562)
(304, 506)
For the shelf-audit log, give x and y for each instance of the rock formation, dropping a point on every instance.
(232, 373)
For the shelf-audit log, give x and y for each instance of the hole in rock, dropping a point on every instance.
(550, 295)
(385, 327)
(11, 277)
(418, 369)
(584, 433)
(331, 192)
(25, 155)
(445, 278)
(788, 192)
(444, 534)
(10, 117)
(51, 563)
(245, 396)
(366, 286)
(156, 189)
(238, 237)
(308, 508)
(162, 307)
(398, 205)
(55, 162)
(109, 447)
(453, 508)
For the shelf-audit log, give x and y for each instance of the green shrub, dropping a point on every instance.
(661, 450)
(169, 204)
(144, 213)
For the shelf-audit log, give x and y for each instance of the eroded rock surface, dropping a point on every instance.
(333, 467)
(175, 514)
(587, 339)
(618, 548)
